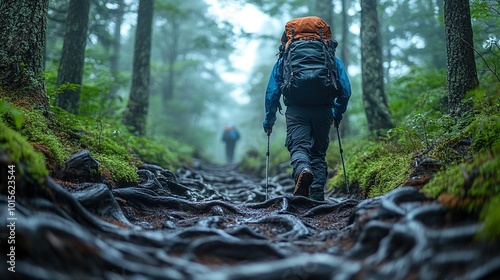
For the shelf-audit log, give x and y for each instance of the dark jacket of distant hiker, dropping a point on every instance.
(230, 136)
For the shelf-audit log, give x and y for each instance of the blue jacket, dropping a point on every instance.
(273, 93)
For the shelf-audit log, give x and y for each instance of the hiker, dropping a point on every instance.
(230, 136)
(313, 103)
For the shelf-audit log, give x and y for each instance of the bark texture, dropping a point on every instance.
(462, 73)
(374, 97)
(137, 108)
(22, 36)
(72, 60)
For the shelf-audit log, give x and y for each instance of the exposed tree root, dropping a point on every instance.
(213, 223)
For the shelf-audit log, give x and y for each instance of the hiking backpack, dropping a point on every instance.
(309, 66)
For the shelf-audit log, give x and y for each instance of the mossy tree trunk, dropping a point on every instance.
(73, 55)
(22, 37)
(462, 73)
(375, 102)
(137, 108)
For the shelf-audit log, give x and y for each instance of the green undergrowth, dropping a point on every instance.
(473, 183)
(373, 165)
(57, 134)
(468, 185)
(19, 153)
(468, 150)
(47, 136)
(166, 152)
(379, 165)
(491, 217)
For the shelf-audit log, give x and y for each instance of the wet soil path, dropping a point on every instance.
(211, 222)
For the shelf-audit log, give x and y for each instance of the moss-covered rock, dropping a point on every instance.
(39, 128)
(16, 150)
(468, 185)
(58, 134)
(373, 166)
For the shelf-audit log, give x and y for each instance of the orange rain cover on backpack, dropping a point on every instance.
(311, 27)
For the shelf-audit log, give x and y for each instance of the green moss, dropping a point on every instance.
(471, 176)
(63, 134)
(121, 170)
(471, 183)
(115, 158)
(166, 152)
(487, 181)
(443, 181)
(58, 134)
(38, 128)
(22, 154)
(491, 217)
(13, 115)
(104, 145)
(485, 131)
(374, 166)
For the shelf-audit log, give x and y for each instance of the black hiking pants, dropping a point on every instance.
(230, 144)
(307, 140)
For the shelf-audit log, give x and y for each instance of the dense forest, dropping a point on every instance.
(125, 85)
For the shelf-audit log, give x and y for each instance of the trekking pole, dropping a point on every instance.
(267, 164)
(343, 165)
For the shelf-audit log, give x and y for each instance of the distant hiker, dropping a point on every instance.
(315, 90)
(230, 137)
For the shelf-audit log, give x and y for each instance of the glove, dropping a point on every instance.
(268, 130)
(336, 123)
(268, 127)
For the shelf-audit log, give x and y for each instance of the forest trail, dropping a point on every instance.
(212, 222)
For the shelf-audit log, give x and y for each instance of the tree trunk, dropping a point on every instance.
(22, 36)
(462, 73)
(171, 53)
(138, 103)
(114, 63)
(374, 97)
(438, 54)
(73, 56)
(324, 10)
(344, 56)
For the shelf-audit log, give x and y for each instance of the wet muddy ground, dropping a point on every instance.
(211, 222)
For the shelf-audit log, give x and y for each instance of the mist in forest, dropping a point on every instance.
(211, 60)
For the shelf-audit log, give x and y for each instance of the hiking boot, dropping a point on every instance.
(318, 195)
(303, 182)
